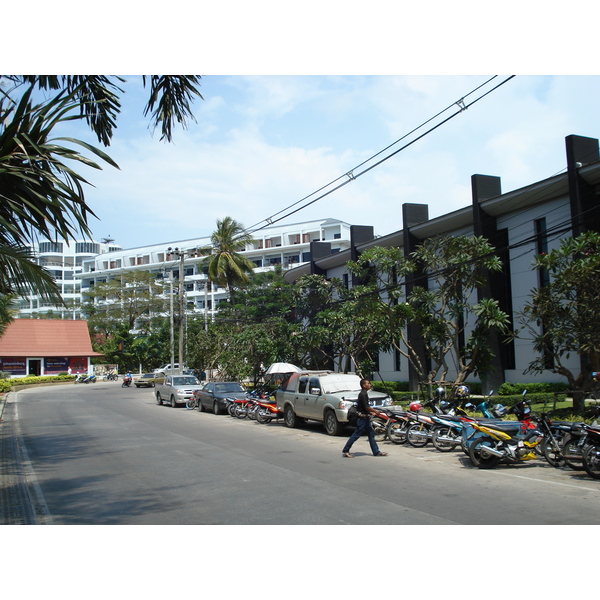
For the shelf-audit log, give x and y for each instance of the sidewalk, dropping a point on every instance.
(17, 505)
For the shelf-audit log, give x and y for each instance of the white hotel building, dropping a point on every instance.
(64, 261)
(285, 245)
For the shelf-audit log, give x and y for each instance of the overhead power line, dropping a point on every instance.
(352, 175)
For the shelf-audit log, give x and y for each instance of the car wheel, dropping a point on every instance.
(200, 405)
(152, 384)
(158, 398)
(290, 418)
(173, 403)
(332, 425)
(216, 408)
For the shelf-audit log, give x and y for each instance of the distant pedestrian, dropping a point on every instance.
(363, 424)
(69, 371)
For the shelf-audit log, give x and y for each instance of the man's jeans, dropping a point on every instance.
(363, 425)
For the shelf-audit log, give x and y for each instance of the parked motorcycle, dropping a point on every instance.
(503, 442)
(396, 426)
(419, 431)
(591, 454)
(575, 444)
(267, 411)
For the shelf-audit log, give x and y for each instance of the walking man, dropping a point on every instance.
(363, 424)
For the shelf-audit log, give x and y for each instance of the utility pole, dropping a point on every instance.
(181, 310)
(171, 316)
(181, 254)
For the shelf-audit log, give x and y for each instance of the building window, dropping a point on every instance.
(541, 233)
(87, 248)
(51, 247)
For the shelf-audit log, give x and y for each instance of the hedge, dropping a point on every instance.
(510, 389)
(6, 385)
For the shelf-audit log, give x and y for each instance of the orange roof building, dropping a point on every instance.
(45, 347)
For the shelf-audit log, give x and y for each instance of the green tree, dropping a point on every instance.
(134, 299)
(454, 326)
(341, 328)
(226, 266)
(41, 193)
(246, 338)
(561, 315)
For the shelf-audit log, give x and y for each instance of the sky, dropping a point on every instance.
(262, 143)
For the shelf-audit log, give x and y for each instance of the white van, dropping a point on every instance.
(166, 369)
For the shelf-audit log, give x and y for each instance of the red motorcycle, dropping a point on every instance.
(267, 411)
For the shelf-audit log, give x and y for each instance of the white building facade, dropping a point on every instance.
(64, 261)
(284, 245)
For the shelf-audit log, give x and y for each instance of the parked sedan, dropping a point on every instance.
(213, 394)
(148, 380)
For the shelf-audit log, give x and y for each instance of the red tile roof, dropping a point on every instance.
(46, 337)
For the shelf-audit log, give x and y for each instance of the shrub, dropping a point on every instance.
(390, 386)
(7, 384)
(509, 389)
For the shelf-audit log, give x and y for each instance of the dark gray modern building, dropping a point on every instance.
(520, 224)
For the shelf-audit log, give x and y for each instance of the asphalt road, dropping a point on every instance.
(103, 454)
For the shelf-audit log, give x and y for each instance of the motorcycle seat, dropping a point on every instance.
(511, 428)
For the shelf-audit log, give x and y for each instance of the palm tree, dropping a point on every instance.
(41, 195)
(226, 266)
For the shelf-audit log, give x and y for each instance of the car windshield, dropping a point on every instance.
(185, 381)
(229, 387)
(340, 383)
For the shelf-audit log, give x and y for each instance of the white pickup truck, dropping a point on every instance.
(323, 396)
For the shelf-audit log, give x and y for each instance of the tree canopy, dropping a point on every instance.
(561, 316)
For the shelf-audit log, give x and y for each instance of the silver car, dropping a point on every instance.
(177, 389)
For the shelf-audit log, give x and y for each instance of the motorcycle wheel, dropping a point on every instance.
(231, 409)
(591, 461)
(551, 451)
(379, 429)
(190, 404)
(479, 457)
(263, 417)
(396, 432)
(240, 411)
(443, 432)
(572, 453)
(417, 435)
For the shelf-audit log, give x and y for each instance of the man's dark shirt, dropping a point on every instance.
(363, 403)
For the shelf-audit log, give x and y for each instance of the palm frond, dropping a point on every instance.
(21, 275)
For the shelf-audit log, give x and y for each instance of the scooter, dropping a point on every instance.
(126, 381)
(89, 379)
(503, 442)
